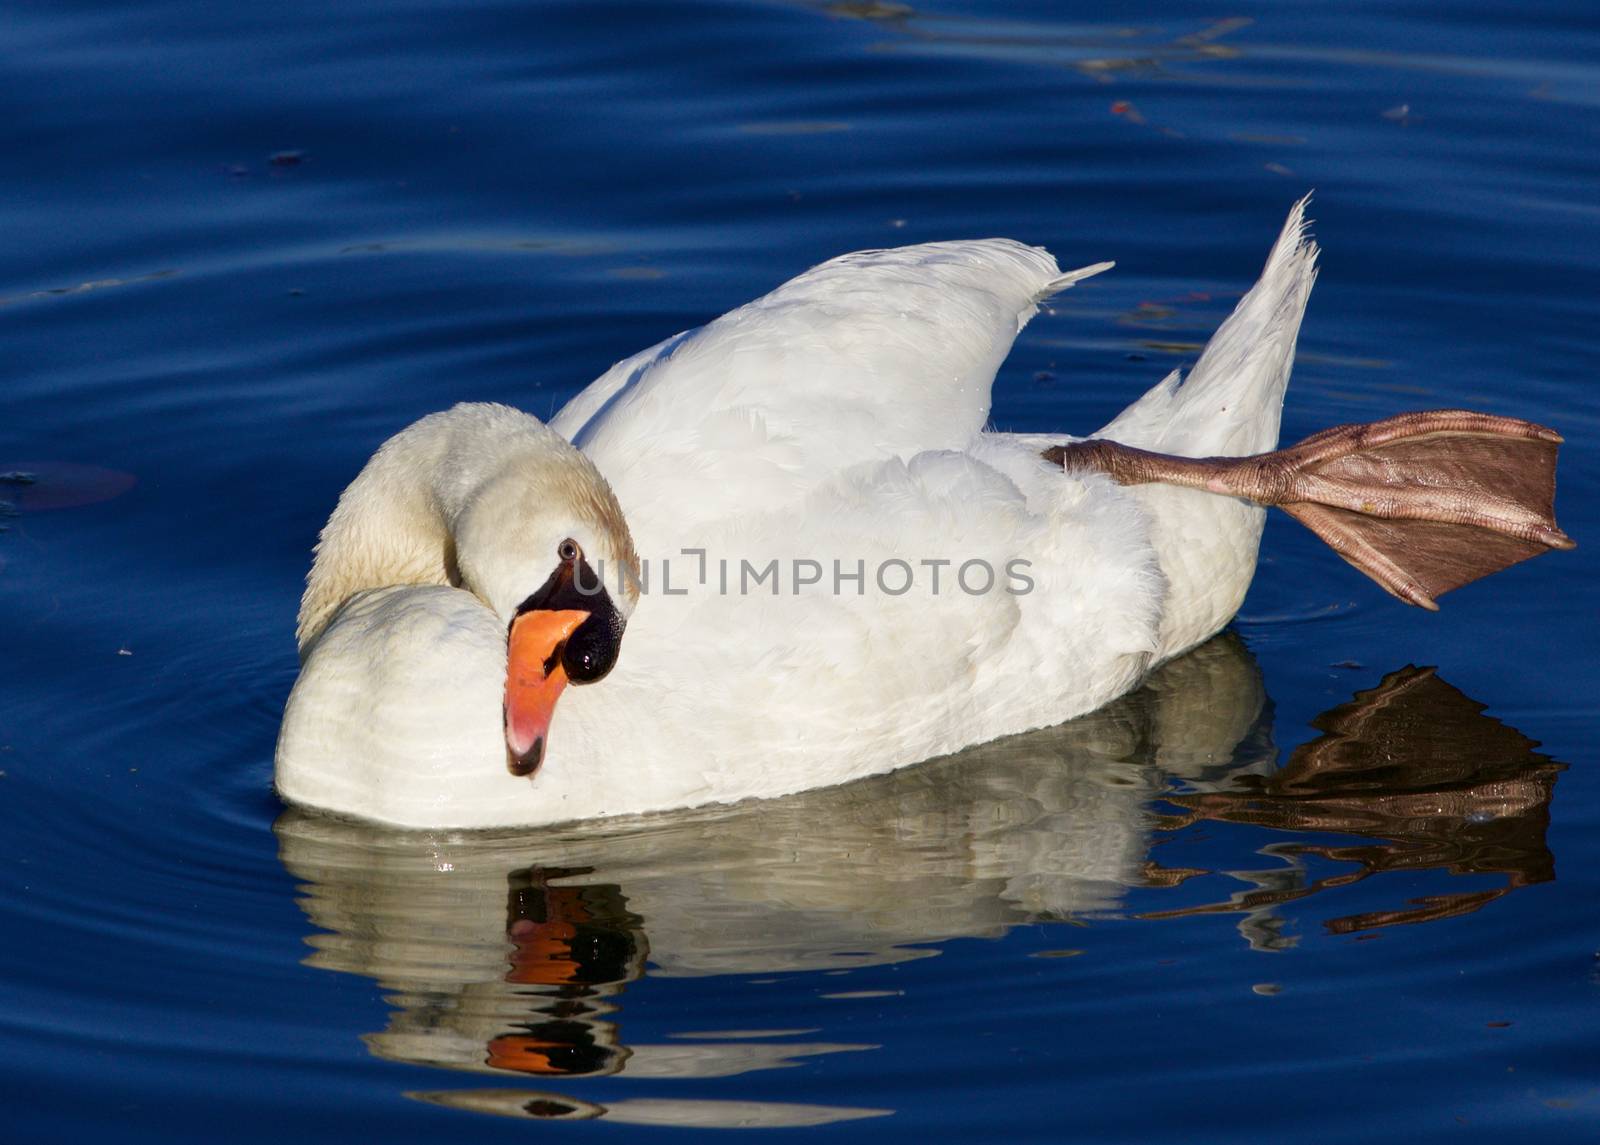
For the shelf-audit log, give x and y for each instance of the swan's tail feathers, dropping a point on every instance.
(1071, 278)
(1233, 398)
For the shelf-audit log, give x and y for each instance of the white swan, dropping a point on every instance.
(834, 570)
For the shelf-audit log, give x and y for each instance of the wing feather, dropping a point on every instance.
(874, 355)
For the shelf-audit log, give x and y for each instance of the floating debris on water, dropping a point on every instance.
(870, 10)
(37, 486)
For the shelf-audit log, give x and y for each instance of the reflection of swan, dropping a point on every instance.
(648, 1111)
(1415, 766)
(816, 462)
(505, 954)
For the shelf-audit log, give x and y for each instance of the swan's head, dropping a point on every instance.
(544, 544)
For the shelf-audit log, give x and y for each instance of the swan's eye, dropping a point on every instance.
(568, 550)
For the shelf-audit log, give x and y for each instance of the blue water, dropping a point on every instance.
(245, 243)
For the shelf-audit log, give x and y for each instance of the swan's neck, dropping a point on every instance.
(382, 533)
(395, 523)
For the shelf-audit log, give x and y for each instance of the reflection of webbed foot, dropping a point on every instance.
(1421, 502)
(1419, 775)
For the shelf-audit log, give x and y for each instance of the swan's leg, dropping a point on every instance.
(1422, 502)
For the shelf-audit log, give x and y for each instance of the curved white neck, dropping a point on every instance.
(395, 523)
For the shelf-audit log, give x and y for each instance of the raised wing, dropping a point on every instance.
(872, 355)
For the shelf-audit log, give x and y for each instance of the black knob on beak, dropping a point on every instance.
(592, 650)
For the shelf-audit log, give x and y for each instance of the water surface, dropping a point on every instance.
(1332, 878)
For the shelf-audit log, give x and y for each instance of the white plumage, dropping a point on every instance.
(838, 419)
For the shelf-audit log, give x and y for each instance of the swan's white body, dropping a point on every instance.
(838, 419)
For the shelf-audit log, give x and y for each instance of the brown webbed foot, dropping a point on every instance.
(1421, 502)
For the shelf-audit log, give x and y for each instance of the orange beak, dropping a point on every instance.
(534, 679)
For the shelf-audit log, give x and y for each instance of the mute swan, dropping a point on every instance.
(824, 565)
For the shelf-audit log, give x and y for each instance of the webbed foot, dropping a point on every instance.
(1421, 502)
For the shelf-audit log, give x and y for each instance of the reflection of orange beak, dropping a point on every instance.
(528, 1054)
(555, 1049)
(534, 679)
